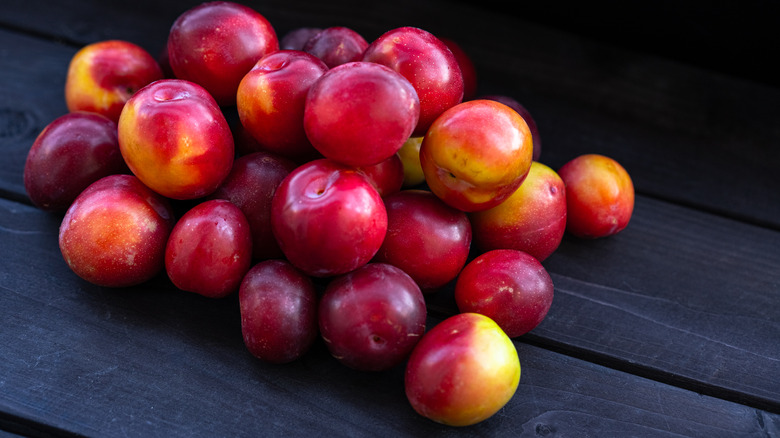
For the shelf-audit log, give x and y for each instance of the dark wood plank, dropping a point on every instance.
(31, 95)
(681, 296)
(151, 360)
(686, 135)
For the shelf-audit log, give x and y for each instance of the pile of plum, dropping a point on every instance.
(359, 177)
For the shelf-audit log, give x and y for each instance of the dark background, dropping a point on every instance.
(738, 38)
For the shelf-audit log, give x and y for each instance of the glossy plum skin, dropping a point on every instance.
(599, 196)
(210, 249)
(297, 38)
(387, 176)
(476, 154)
(462, 371)
(532, 219)
(467, 68)
(214, 44)
(251, 186)
(327, 218)
(427, 63)
(174, 137)
(526, 115)
(271, 98)
(278, 307)
(372, 318)
(360, 113)
(336, 45)
(70, 153)
(509, 286)
(114, 233)
(102, 76)
(426, 238)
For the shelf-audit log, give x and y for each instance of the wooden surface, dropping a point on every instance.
(670, 328)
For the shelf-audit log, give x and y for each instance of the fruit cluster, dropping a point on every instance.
(357, 178)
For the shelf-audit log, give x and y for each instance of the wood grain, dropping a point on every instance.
(152, 360)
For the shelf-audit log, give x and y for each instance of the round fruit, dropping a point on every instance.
(216, 43)
(476, 154)
(371, 318)
(532, 219)
(599, 196)
(102, 76)
(328, 218)
(114, 233)
(426, 238)
(462, 371)
(360, 113)
(72, 152)
(174, 138)
(278, 306)
(209, 249)
(509, 286)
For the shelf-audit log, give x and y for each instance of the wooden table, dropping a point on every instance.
(670, 328)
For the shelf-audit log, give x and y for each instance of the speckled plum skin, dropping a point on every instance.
(511, 287)
(532, 219)
(210, 249)
(102, 76)
(427, 63)
(214, 44)
(328, 218)
(599, 196)
(467, 68)
(462, 371)
(426, 238)
(360, 113)
(372, 318)
(271, 98)
(174, 137)
(70, 153)
(278, 306)
(476, 154)
(114, 234)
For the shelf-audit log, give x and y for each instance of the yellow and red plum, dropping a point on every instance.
(462, 371)
(114, 233)
(476, 154)
(271, 98)
(103, 75)
(599, 196)
(526, 115)
(174, 137)
(532, 219)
